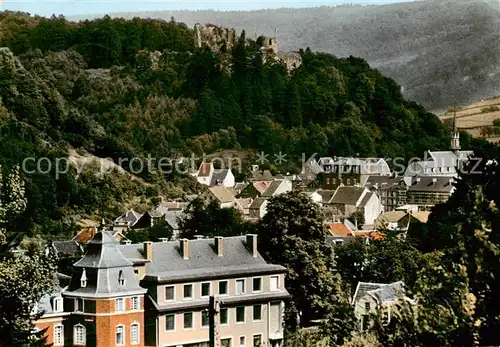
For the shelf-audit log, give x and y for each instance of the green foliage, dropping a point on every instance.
(291, 234)
(456, 292)
(210, 220)
(26, 272)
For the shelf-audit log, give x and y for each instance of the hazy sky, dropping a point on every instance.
(77, 7)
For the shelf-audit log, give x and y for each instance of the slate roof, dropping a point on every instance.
(347, 195)
(222, 194)
(238, 187)
(264, 175)
(257, 203)
(67, 247)
(366, 198)
(273, 187)
(387, 292)
(379, 181)
(46, 302)
(219, 176)
(441, 185)
(205, 169)
(172, 218)
(169, 265)
(130, 217)
(326, 195)
(103, 266)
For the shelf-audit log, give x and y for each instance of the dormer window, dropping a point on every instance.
(57, 305)
(121, 279)
(83, 279)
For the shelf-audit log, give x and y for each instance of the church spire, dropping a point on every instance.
(455, 136)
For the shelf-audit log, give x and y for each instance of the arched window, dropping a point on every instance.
(79, 335)
(120, 335)
(59, 335)
(135, 336)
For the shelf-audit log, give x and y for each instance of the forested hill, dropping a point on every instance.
(440, 51)
(91, 86)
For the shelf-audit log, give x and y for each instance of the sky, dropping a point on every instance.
(86, 7)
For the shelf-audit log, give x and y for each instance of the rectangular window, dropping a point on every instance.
(257, 284)
(275, 283)
(58, 305)
(170, 322)
(224, 316)
(242, 341)
(188, 320)
(226, 342)
(135, 303)
(58, 335)
(205, 289)
(78, 305)
(240, 287)
(204, 318)
(327, 180)
(257, 312)
(134, 334)
(188, 291)
(169, 293)
(367, 306)
(222, 287)
(240, 314)
(257, 341)
(120, 335)
(119, 305)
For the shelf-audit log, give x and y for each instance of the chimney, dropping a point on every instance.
(219, 245)
(252, 244)
(148, 250)
(184, 245)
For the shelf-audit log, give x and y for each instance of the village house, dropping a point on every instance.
(391, 190)
(126, 221)
(441, 163)
(277, 187)
(348, 200)
(400, 220)
(371, 298)
(258, 208)
(350, 171)
(428, 191)
(157, 294)
(254, 189)
(209, 176)
(222, 195)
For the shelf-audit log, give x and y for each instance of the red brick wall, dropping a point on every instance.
(49, 325)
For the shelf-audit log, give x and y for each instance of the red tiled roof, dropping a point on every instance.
(261, 186)
(85, 235)
(374, 235)
(339, 229)
(204, 170)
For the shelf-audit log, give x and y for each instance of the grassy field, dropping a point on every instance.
(477, 116)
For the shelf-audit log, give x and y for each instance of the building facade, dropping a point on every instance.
(157, 294)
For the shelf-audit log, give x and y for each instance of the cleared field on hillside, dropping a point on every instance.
(475, 117)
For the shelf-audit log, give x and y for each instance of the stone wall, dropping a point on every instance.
(213, 37)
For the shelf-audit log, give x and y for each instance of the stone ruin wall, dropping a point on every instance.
(213, 37)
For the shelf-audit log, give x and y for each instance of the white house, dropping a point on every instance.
(278, 187)
(209, 176)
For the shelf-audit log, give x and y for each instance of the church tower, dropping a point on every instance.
(455, 136)
(104, 297)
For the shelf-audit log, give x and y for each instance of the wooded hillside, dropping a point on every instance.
(441, 52)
